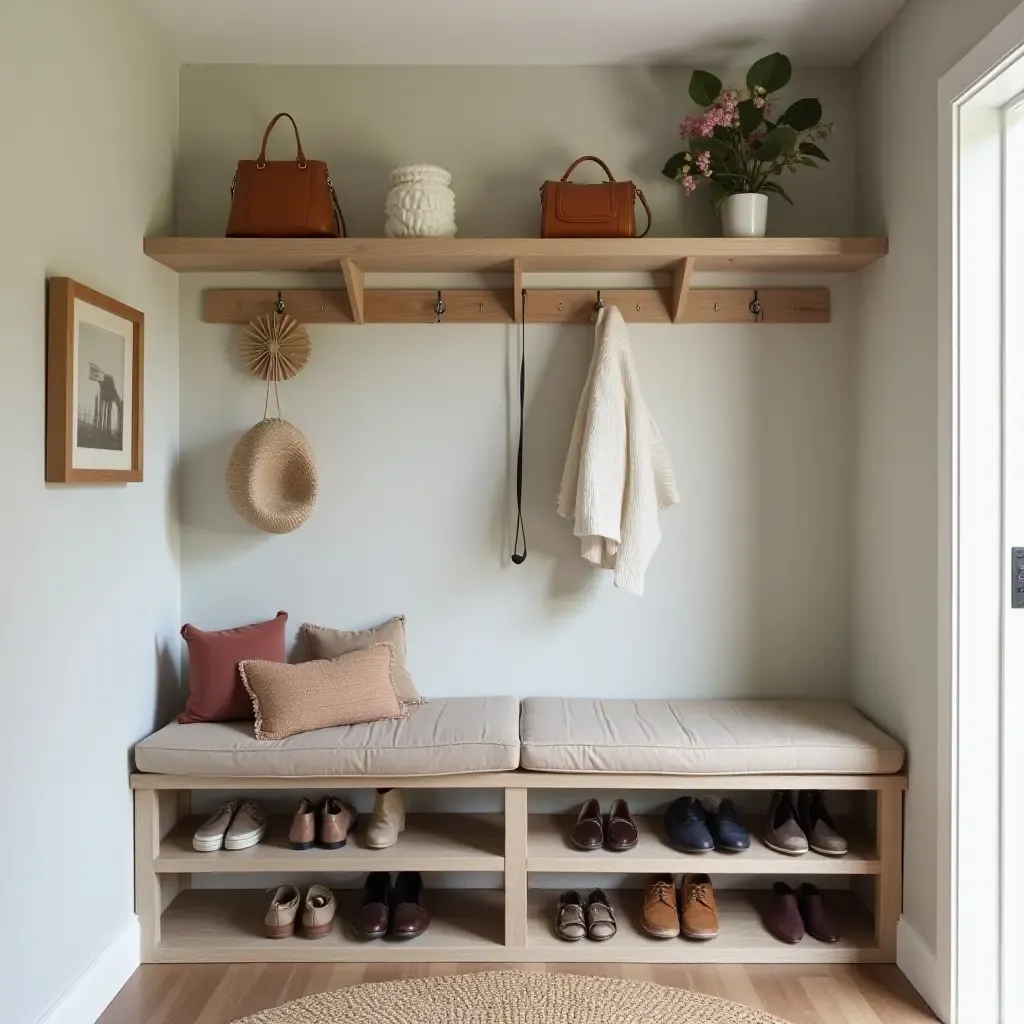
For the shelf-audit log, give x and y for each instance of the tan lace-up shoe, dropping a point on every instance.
(282, 912)
(318, 912)
(247, 828)
(210, 835)
(336, 820)
(302, 834)
(388, 820)
(699, 914)
(660, 916)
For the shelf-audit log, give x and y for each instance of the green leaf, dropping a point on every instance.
(718, 148)
(771, 73)
(777, 142)
(812, 150)
(705, 88)
(802, 115)
(778, 190)
(807, 162)
(751, 117)
(674, 165)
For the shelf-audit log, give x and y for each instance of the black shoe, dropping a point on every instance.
(686, 828)
(728, 833)
(374, 913)
(408, 918)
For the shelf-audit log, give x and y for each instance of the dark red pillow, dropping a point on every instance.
(216, 691)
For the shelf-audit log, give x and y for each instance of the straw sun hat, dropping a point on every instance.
(271, 477)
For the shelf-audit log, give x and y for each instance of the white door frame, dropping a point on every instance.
(975, 981)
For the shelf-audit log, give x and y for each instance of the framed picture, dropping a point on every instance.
(93, 387)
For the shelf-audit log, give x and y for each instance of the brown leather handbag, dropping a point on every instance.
(284, 198)
(569, 210)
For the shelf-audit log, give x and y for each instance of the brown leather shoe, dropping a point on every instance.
(570, 918)
(588, 832)
(408, 918)
(783, 918)
(336, 819)
(621, 833)
(660, 916)
(374, 915)
(600, 916)
(302, 834)
(318, 912)
(698, 917)
(816, 917)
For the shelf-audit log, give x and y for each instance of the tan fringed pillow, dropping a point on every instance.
(332, 643)
(289, 699)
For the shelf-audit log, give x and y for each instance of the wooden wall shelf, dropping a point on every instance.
(534, 255)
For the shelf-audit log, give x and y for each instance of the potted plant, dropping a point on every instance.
(740, 149)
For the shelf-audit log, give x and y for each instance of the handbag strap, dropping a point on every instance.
(300, 157)
(517, 558)
(338, 215)
(582, 159)
(643, 200)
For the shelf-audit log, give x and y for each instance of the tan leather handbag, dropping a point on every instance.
(569, 210)
(284, 198)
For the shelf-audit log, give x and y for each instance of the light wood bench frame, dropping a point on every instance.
(165, 863)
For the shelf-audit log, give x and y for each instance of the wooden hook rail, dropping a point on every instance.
(678, 304)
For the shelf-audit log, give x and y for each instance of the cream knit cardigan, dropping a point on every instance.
(617, 475)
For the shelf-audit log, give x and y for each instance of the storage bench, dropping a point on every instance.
(182, 923)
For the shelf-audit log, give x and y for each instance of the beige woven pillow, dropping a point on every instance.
(333, 643)
(289, 699)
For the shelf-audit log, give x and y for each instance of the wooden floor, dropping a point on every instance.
(219, 994)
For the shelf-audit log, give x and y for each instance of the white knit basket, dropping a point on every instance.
(420, 203)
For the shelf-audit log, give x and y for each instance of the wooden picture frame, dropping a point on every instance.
(94, 382)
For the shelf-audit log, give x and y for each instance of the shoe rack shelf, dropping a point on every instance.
(184, 921)
(353, 258)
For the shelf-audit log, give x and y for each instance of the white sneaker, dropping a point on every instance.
(210, 835)
(388, 820)
(247, 828)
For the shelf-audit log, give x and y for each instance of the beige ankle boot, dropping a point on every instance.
(387, 821)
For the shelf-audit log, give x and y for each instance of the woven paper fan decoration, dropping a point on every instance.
(274, 347)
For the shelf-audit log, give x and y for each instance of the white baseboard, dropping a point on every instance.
(917, 960)
(90, 995)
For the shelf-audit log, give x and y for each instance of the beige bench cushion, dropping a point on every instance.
(442, 737)
(703, 737)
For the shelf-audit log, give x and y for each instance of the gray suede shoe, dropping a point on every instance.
(818, 826)
(782, 831)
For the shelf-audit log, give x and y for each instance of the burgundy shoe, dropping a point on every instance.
(588, 832)
(374, 915)
(621, 833)
(783, 918)
(408, 918)
(815, 915)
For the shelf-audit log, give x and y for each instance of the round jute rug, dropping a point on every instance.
(511, 997)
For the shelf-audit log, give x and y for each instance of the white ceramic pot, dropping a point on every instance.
(420, 203)
(745, 215)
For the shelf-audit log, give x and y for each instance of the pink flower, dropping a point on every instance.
(689, 185)
(704, 161)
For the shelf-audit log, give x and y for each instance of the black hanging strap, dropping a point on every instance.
(518, 558)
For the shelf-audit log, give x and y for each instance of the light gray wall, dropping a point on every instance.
(412, 426)
(89, 598)
(896, 642)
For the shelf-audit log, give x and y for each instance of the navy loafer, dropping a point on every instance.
(726, 830)
(686, 828)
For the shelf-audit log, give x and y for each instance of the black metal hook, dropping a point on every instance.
(279, 305)
(599, 305)
(439, 307)
(755, 307)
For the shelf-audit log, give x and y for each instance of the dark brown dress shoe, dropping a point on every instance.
(408, 918)
(816, 917)
(783, 919)
(621, 833)
(373, 916)
(588, 832)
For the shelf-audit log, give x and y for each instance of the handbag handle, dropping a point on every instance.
(582, 159)
(300, 157)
